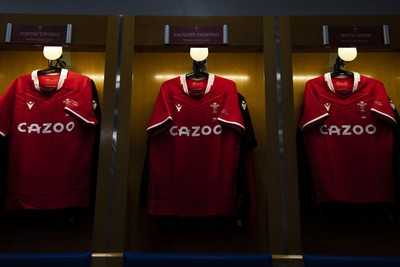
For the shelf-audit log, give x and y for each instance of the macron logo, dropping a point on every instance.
(244, 105)
(178, 107)
(30, 104)
(94, 105)
(327, 106)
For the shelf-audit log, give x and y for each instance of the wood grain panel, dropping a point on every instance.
(150, 70)
(321, 235)
(86, 30)
(92, 65)
(305, 67)
(17, 63)
(382, 66)
(242, 30)
(34, 238)
(307, 30)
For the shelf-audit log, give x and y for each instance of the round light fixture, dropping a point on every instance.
(52, 52)
(198, 53)
(347, 53)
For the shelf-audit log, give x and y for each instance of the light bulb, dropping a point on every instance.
(52, 52)
(347, 53)
(198, 53)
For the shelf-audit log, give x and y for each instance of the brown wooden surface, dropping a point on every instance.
(30, 236)
(103, 210)
(150, 70)
(307, 30)
(349, 237)
(86, 30)
(242, 58)
(244, 33)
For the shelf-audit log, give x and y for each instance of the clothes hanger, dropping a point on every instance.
(338, 71)
(199, 70)
(53, 69)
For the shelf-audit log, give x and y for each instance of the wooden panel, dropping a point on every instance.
(321, 236)
(276, 230)
(382, 66)
(105, 182)
(243, 31)
(16, 63)
(305, 67)
(119, 200)
(86, 30)
(150, 70)
(284, 234)
(92, 65)
(40, 238)
(289, 164)
(307, 30)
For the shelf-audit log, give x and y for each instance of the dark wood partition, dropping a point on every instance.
(242, 61)
(86, 55)
(325, 233)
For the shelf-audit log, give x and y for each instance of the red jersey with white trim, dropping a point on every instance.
(49, 121)
(348, 126)
(194, 147)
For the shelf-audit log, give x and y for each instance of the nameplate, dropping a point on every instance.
(38, 34)
(354, 36)
(196, 35)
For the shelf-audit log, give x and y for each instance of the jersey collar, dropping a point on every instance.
(61, 79)
(356, 80)
(210, 82)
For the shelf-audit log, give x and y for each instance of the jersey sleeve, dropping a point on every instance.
(6, 104)
(96, 102)
(161, 115)
(84, 105)
(230, 113)
(249, 137)
(382, 106)
(312, 109)
(246, 207)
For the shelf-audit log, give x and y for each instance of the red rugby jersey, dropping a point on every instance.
(50, 123)
(347, 126)
(194, 148)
